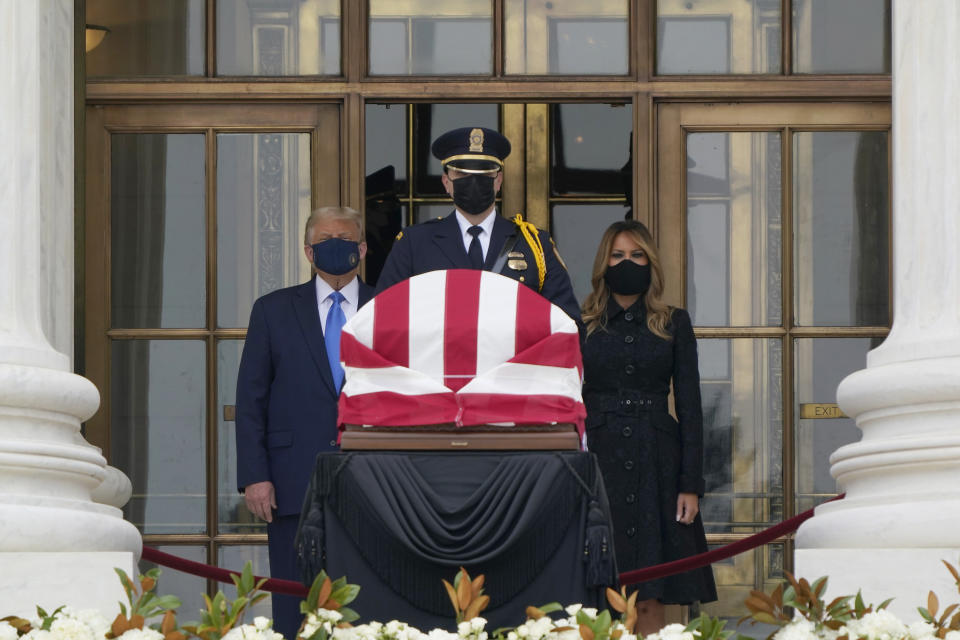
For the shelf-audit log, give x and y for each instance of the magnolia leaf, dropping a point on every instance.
(819, 586)
(766, 618)
(586, 633)
(533, 613)
(771, 603)
(168, 602)
(464, 591)
(616, 634)
(756, 605)
(604, 620)
(477, 585)
(147, 583)
(631, 622)
(452, 594)
(326, 588)
(884, 604)
(550, 607)
(136, 621)
(559, 629)
(833, 624)
(344, 595)
(169, 622)
(120, 624)
(349, 615)
(953, 572)
(946, 613)
(174, 635)
(617, 601)
(22, 625)
(476, 607)
(932, 603)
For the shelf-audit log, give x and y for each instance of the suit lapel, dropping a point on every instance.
(447, 238)
(502, 229)
(308, 315)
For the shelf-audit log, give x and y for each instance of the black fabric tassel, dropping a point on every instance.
(601, 569)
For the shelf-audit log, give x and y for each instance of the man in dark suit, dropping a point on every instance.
(288, 385)
(473, 236)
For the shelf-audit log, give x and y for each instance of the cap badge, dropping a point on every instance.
(476, 141)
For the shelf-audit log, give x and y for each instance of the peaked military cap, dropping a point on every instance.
(472, 150)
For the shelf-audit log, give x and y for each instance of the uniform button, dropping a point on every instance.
(628, 317)
(627, 402)
(627, 432)
(631, 531)
(628, 465)
(628, 339)
(631, 498)
(629, 369)
(333, 443)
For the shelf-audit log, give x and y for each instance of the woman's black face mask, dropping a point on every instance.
(628, 278)
(474, 193)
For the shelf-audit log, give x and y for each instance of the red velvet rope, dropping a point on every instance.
(294, 588)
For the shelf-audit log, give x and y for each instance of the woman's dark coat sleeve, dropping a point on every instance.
(686, 393)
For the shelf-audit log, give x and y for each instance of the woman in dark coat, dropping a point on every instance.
(652, 465)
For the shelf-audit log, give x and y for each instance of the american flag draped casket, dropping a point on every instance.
(460, 347)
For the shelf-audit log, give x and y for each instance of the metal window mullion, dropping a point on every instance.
(788, 373)
(211, 350)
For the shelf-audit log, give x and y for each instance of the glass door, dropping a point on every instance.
(192, 212)
(773, 221)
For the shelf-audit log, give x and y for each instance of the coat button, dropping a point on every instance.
(631, 498)
(629, 369)
(628, 339)
(628, 317)
(333, 443)
(631, 531)
(628, 402)
(628, 465)
(627, 432)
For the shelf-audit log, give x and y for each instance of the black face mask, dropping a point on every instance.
(474, 193)
(628, 278)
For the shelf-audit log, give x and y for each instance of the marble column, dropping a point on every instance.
(61, 529)
(901, 515)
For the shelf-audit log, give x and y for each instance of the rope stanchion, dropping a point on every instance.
(721, 553)
(293, 588)
(274, 585)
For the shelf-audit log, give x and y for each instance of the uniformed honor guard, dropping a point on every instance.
(473, 236)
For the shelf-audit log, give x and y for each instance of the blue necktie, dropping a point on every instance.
(331, 337)
(475, 252)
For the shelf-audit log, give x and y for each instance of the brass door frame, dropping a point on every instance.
(674, 122)
(321, 121)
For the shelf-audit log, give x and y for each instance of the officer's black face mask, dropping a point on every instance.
(628, 278)
(474, 193)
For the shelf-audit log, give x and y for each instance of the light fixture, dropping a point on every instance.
(95, 35)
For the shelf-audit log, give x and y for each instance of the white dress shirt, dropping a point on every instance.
(350, 304)
(486, 226)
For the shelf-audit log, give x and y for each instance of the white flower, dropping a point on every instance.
(797, 629)
(7, 632)
(67, 628)
(478, 623)
(671, 632)
(512, 635)
(952, 635)
(463, 629)
(879, 625)
(439, 634)
(142, 634)
(921, 630)
(38, 634)
(590, 611)
(572, 609)
(523, 631)
(259, 630)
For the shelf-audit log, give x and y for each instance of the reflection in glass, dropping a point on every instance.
(566, 37)
(718, 37)
(279, 38)
(734, 228)
(232, 510)
(431, 38)
(432, 120)
(263, 202)
(157, 434)
(148, 38)
(577, 229)
(759, 569)
(841, 36)
(841, 201)
(179, 583)
(386, 184)
(820, 365)
(426, 212)
(740, 384)
(158, 230)
(590, 149)
(234, 557)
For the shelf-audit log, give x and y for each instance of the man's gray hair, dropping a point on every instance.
(332, 213)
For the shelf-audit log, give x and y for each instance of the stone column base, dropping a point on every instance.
(907, 575)
(84, 580)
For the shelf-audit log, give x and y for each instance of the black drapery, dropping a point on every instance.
(535, 524)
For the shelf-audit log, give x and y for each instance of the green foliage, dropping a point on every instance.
(709, 628)
(221, 615)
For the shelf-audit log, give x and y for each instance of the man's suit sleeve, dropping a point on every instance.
(399, 264)
(556, 284)
(254, 379)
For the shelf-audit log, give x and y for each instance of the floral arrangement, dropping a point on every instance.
(797, 610)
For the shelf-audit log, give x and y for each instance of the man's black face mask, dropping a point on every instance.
(474, 193)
